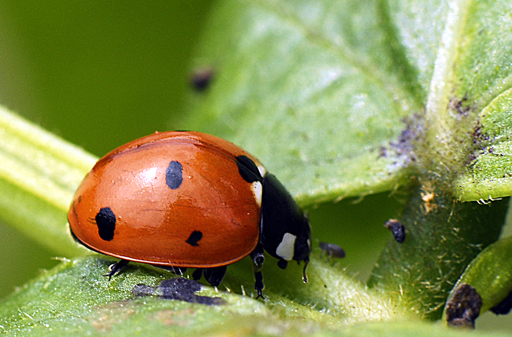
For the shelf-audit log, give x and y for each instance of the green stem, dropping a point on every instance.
(443, 237)
(39, 174)
(437, 114)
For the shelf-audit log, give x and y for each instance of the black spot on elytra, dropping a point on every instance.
(194, 238)
(106, 222)
(248, 169)
(174, 175)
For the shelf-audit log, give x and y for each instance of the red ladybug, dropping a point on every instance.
(182, 200)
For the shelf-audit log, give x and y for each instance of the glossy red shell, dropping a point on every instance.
(153, 222)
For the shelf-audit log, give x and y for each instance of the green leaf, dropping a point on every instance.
(488, 174)
(329, 82)
(333, 82)
(482, 76)
(74, 298)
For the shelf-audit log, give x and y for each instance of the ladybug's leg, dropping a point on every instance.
(215, 275)
(196, 275)
(115, 268)
(178, 270)
(175, 270)
(304, 276)
(282, 264)
(258, 284)
(258, 257)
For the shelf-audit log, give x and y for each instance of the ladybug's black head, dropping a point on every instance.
(285, 231)
(303, 242)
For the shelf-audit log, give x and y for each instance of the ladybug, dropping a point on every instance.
(182, 199)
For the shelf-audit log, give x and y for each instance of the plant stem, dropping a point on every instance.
(443, 236)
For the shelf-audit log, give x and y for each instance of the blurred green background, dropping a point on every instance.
(99, 74)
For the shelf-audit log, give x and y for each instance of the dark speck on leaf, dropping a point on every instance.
(460, 106)
(179, 289)
(397, 229)
(464, 306)
(332, 250)
(201, 79)
(403, 147)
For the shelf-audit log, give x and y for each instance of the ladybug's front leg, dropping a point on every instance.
(258, 257)
(214, 276)
(175, 270)
(197, 274)
(258, 284)
(115, 268)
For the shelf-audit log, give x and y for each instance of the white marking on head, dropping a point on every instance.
(262, 169)
(257, 191)
(286, 248)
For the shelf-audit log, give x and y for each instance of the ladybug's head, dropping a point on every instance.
(303, 241)
(285, 230)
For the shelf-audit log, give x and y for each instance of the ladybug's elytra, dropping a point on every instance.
(181, 200)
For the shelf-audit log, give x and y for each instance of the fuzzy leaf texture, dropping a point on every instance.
(74, 298)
